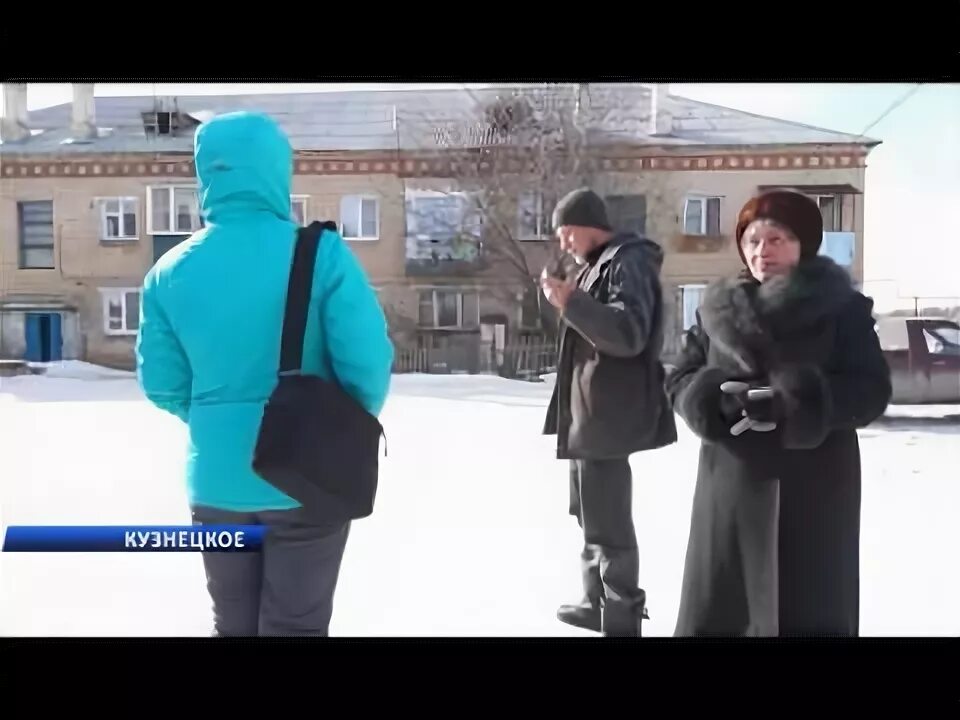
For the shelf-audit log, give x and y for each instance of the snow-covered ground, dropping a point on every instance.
(470, 537)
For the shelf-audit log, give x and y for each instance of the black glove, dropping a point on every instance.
(752, 407)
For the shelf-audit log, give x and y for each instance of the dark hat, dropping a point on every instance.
(583, 208)
(795, 211)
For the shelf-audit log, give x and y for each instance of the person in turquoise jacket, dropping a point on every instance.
(208, 351)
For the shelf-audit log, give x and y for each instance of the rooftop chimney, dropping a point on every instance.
(13, 125)
(83, 125)
(661, 118)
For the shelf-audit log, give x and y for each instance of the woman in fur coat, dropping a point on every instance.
(775, 530)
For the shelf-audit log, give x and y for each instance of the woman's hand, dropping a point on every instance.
(759, 406)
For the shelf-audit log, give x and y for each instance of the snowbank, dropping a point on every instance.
(79, 370)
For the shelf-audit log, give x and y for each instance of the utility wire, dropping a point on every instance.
(896, 103)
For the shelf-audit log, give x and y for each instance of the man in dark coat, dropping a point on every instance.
(775, 530)
(608, 401)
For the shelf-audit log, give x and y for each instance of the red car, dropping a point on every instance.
(924, 359)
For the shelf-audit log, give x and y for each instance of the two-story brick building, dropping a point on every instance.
(93, 192)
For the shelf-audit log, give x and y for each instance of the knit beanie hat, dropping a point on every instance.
(796, 212)
(583, 208)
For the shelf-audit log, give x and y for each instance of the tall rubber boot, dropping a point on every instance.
(586, 613)
(623, 618)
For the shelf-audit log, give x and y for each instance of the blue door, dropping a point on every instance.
(44, 337)
(32, 327)
(56, 337)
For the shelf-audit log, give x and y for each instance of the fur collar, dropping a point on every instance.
(748, 320)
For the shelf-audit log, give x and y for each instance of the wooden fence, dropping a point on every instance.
(527, 359)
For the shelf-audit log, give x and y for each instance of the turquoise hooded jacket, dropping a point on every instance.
(208, 347)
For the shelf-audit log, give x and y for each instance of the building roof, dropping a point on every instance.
(410, 119)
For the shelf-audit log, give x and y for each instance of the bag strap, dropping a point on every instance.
(298, 296)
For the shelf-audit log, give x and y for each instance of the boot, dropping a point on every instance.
(586, 615)
(623, 618)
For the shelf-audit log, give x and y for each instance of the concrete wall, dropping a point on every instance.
(85, 264)
(666, 193)
(383, 259)
(13, 340)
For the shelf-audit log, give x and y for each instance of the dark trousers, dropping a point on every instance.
(601, 498)
(287, 588)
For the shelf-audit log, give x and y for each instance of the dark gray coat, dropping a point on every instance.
(775, 530)
(609, 399)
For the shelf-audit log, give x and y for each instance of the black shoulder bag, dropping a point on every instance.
(316, 443)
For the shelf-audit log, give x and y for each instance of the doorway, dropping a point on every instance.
(44, 337)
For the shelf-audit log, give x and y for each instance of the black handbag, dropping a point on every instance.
(316, 443)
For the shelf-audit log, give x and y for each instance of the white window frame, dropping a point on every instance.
(361, 197)
(118, 294)
(541, 221)
(302, 200)
(436, 308)
(171, 210)
(123, 201)
(684, 326)
(837, 209)
(22, 244)
(703, 200)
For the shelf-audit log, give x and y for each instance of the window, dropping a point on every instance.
(690, 297)
(118, 218)
(36, 235)
(173, 210)
(529, 308)
(628, 213)
(121, 311)
(701, 216)
(162, 244)
(360, 217)
(831, 208)
(838, 211)
(449, 309)
(426, 317)
(441, 216)
(942, 340)
(298, 209)
(533, 223)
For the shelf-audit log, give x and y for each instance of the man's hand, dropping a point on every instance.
(555, 290)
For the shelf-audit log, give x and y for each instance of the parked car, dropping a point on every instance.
(924, 358)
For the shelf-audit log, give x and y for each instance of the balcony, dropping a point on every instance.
(430, 256)
(684, 243)
(443, 231)
(840, 247)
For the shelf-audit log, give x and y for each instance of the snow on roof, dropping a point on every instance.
(407, 119)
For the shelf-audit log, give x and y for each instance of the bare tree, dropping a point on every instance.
(513, 154)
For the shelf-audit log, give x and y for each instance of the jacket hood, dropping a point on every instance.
(652, 252)
(244, 164)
